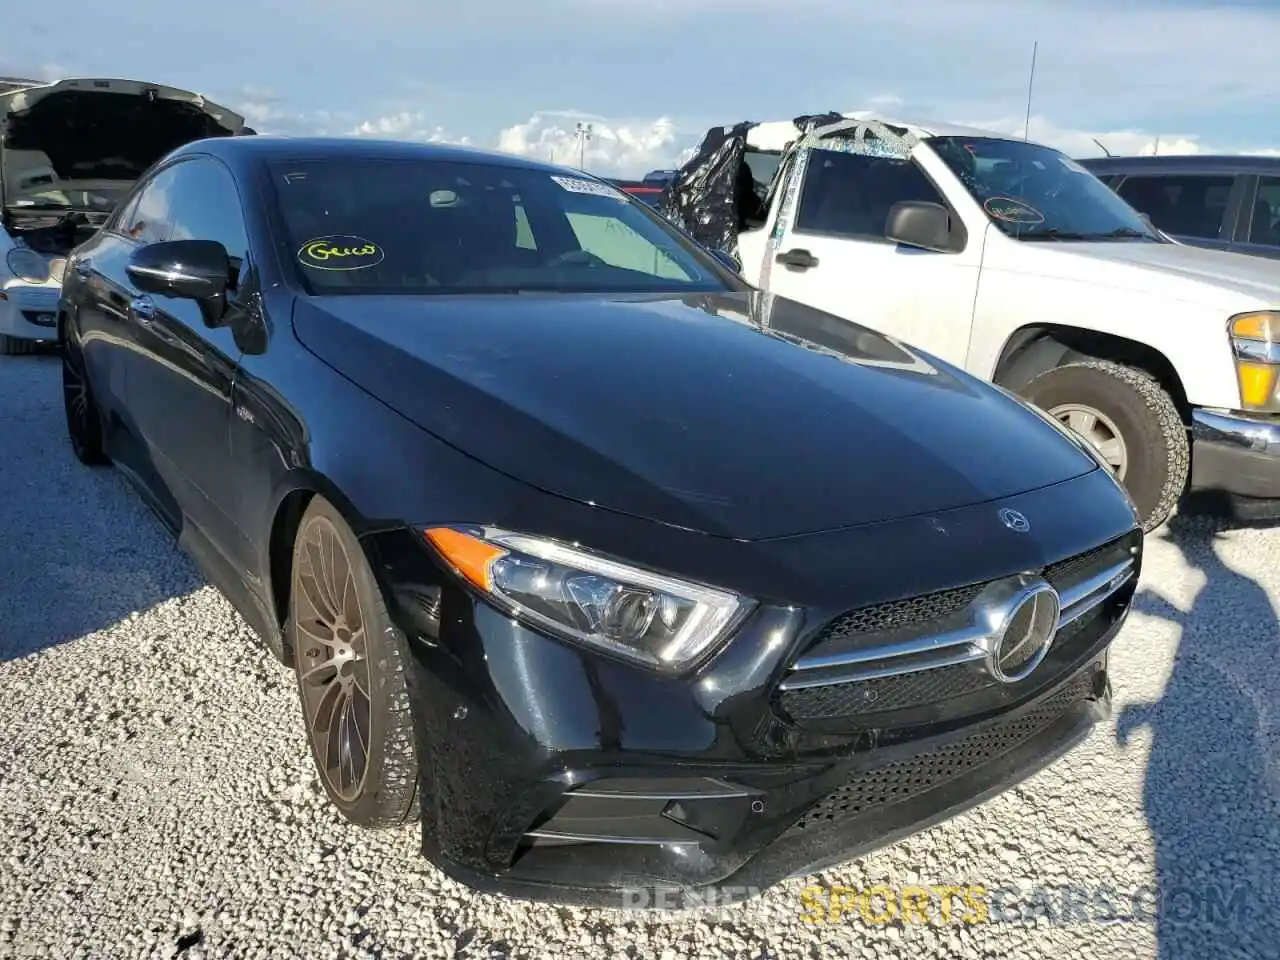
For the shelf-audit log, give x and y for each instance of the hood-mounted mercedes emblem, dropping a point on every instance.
(1014, 520)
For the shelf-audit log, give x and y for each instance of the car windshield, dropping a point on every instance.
(1036, 193)
(439, 227)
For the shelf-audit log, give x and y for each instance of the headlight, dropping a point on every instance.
(1255, 344)
(25, 264)
(646, 617)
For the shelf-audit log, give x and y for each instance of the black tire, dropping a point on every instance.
(16, 346)
(84, 420)
(356, 710)
(1154, 435)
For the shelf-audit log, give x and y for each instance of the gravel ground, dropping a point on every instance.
(157, 799)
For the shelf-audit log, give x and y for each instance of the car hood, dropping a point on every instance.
(739, 415)
(1181, 271)
(90, 134)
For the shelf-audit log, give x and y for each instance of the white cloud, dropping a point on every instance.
(405, 125)
(628, 147)
(1126, 142)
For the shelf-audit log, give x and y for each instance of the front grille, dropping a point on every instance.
(900, 613)
(873, 789)
(876, 685)
(884, 693)
(1069, 572)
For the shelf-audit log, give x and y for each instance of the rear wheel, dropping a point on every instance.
(350, 672)
(1130, 420)
(84, 421)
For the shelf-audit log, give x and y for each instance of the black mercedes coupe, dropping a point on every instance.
(614, 572)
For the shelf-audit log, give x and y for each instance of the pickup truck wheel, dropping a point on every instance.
(351, 675)
(1130, 420)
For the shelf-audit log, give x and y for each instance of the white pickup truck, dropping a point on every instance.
(1009, 260)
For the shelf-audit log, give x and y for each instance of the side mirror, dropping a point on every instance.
(728, 259)
(930, 226)
(191, 269)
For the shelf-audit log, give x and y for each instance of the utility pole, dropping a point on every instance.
(1155, 151)
(1026, 130)
(584, 134)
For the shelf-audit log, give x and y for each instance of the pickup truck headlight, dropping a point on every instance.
(659, 621)
(1255, 344)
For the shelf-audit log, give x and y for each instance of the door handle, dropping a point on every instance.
(800, 259)
(142, 309)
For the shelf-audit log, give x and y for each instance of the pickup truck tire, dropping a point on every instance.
(1157, 453)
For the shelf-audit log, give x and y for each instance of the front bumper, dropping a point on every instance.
(28, 312)
(792, 821)
(1237, 456)
(552, 773)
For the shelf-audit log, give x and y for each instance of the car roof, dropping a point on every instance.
(357, 148)
(1183, 163)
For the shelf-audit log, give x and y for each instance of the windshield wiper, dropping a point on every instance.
(1120, 233)
(1052, 234)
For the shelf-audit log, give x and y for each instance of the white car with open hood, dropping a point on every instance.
(68, 152)
(1008, 259)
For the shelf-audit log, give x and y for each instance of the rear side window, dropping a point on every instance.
(1264, 225)
(850, 195)
(1185, 205)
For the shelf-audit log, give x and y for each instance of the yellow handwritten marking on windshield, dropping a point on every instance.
(340, 253)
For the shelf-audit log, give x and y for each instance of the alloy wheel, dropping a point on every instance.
(1099, 431)
(75, 400)
(330, 654)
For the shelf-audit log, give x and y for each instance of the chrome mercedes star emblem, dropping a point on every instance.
(1026, 634)
(1014, 520)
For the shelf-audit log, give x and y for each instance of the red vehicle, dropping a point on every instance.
(648, 191)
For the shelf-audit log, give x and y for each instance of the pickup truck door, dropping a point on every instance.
(832, 254)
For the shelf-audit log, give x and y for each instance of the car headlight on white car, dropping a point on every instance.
(25, 264)
(1255, 347)
(660, 621)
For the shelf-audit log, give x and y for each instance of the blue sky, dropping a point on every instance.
(651, 75)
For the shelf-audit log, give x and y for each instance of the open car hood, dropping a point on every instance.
(90, 134)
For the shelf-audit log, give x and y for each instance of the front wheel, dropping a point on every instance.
(1130, 420)
(350, 673)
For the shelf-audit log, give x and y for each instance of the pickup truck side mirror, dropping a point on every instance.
(930, 226)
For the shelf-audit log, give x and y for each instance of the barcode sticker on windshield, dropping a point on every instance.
(575, 185)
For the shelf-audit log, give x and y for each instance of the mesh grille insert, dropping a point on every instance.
(900, 780)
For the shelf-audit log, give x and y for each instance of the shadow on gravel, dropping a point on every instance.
(79, 552)
(1212, 785)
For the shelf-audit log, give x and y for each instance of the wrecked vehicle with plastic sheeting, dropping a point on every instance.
(1009, 259)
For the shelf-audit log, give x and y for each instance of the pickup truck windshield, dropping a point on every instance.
(386, 226)
(1032, 192)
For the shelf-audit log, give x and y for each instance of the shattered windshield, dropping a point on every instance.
(1032, 192)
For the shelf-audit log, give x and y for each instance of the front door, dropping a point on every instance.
(834, 255)
(181, 376)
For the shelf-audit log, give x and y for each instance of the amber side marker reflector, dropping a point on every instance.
(469, 555)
